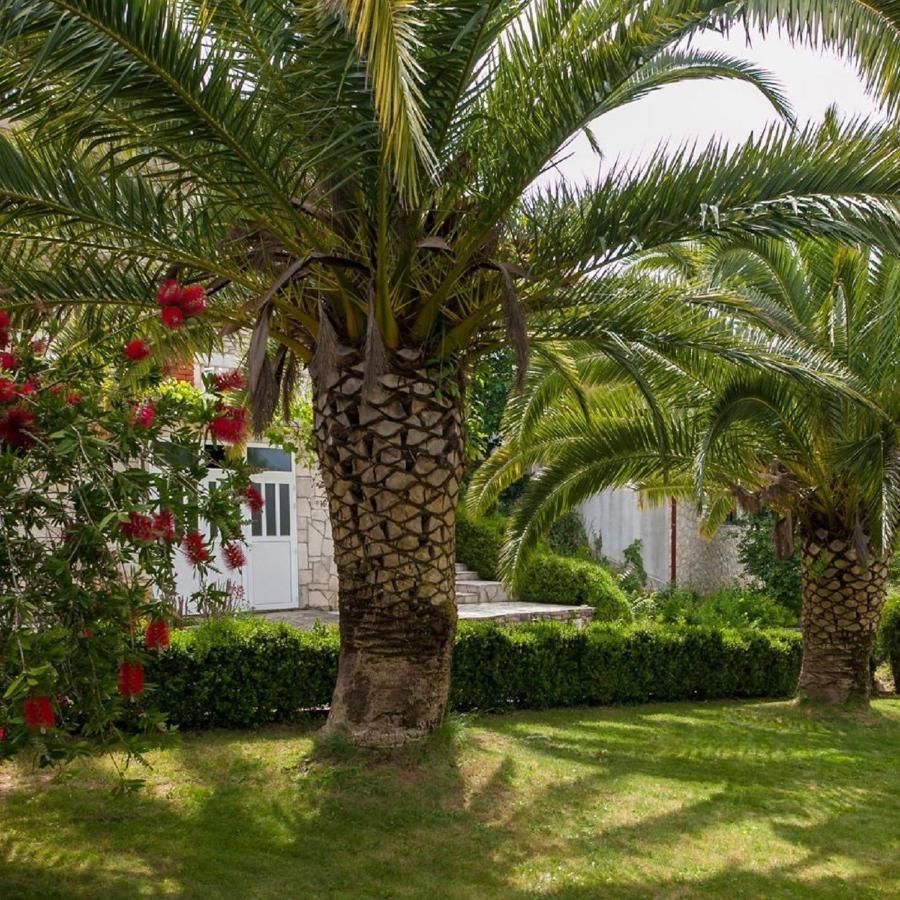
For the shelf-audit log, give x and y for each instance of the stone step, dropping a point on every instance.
(484, 591)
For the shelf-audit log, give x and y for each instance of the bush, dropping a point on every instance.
(236, 673)
(478, 543)
(888, 644)
(567, 536)
(557, 579)
(242, 673)
(726, 608)
(779, 578)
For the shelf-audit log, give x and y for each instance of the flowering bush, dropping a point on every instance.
(101, 473)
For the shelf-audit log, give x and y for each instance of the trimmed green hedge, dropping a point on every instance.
(234, 673)
(241, 673)
(889, 636)
(560, 579)
(478, 543)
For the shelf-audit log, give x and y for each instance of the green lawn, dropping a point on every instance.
(737, 800)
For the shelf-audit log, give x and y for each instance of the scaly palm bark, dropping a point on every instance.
(843, 596)
(391, 459)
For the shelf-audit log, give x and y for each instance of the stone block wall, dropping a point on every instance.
(706, 565)
(317, 575)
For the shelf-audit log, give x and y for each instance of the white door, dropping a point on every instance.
(269, 579)
(271, 573)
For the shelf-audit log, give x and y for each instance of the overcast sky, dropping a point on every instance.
(702, 110)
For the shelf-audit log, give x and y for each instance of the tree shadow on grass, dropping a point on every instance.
(626, 803)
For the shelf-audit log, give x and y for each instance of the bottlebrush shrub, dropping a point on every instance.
(94, 505)
(240, 673)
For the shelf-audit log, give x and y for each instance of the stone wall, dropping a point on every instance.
(706, 565)
(317, 575)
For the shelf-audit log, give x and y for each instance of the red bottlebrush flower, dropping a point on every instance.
(229, 425)
(195, 548)
(5, 320)
(38, 348)
(136, 350)
(4, 338)
(157, 637)
(2, 734)
(233, 554)
(172, 317)
(73, 399)
(228, 381)
(170, 293)
(17, 428)
(39, 715)
(144, 415)
(193, 300)
(164, 525)
(29, 389)
(138, 527)
(7, 361)
(254, 499)
(8, 391)
(131, 679)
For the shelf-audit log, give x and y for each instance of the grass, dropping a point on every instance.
(735, 800)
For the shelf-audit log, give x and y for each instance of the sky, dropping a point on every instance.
(704, 110)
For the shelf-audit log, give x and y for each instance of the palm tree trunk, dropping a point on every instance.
(391, 463)
(842, 603)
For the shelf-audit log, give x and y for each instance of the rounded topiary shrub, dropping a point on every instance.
(478, 543)
(575, 582)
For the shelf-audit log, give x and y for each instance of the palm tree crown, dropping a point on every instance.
(361, 170)
(805, 423)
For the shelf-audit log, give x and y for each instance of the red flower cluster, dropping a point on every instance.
(17, 428)
(7, 361)
(144, 415)
(179, 303)
(4, 328)
(164, 525)
(254, 499)
(195, 548)
(131, 679)
(39, 715)
(73, 398)
(8, 391)
(136, 350)
(228, 381)
(138, 527)
(157, 637)
(229, 425)
(233, 554)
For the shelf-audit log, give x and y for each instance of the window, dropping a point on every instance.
(269, 458)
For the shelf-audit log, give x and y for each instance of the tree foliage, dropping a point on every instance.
(101, 468)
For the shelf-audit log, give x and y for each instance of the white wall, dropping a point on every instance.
(616, 515)
(703, 565)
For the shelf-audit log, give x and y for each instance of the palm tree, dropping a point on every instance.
(352, 183)
(827, 460)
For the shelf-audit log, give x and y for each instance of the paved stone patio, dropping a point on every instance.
(504, 613)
